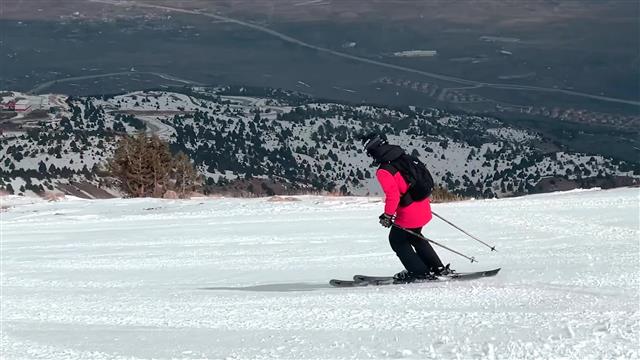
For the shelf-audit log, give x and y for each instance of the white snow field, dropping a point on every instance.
(248, 279)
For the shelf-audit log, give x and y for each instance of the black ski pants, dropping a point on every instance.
(416, 254)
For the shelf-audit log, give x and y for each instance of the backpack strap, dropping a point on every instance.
(405, 199)
(388, 167)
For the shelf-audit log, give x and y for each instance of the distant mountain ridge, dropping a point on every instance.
(263, 141)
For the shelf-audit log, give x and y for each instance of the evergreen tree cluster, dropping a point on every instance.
(287, 138)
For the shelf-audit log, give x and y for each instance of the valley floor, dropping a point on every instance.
(248, 279)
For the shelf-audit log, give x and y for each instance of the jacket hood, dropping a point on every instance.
(385, 153)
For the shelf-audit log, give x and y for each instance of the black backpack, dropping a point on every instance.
(417, 176)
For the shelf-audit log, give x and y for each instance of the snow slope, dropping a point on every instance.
(238, 278)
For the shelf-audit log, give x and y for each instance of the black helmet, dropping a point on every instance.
(372, 141)
(377, 148)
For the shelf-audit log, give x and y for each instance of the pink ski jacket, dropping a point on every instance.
(415, 215)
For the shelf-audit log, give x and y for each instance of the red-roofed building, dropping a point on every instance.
(22, 105)
(9, 105)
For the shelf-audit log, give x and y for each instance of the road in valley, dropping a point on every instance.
(40, 87)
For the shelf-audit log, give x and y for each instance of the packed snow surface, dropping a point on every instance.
(237, 278)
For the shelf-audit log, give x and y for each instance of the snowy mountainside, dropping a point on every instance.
(296, 142)
(232, 278)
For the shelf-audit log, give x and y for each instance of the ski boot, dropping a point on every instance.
(404, 277)
(443, 271)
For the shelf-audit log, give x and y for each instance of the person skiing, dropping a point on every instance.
(402, 213)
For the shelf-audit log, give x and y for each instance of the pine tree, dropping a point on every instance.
(42, 168)
(130, 166)
(186, 178)
(160, 160)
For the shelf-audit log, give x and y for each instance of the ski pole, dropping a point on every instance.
(472, 259)
(493, 248)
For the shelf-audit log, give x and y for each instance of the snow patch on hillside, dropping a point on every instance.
(491, 165)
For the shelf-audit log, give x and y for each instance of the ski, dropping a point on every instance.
(375, 280)
(365, 280)
(347, 283)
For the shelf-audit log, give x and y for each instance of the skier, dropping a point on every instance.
(400, 211)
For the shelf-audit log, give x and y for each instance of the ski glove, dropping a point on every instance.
(386, 220)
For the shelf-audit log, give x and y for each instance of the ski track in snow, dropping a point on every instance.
(248, 278)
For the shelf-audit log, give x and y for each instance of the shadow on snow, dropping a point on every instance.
(282, 287)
